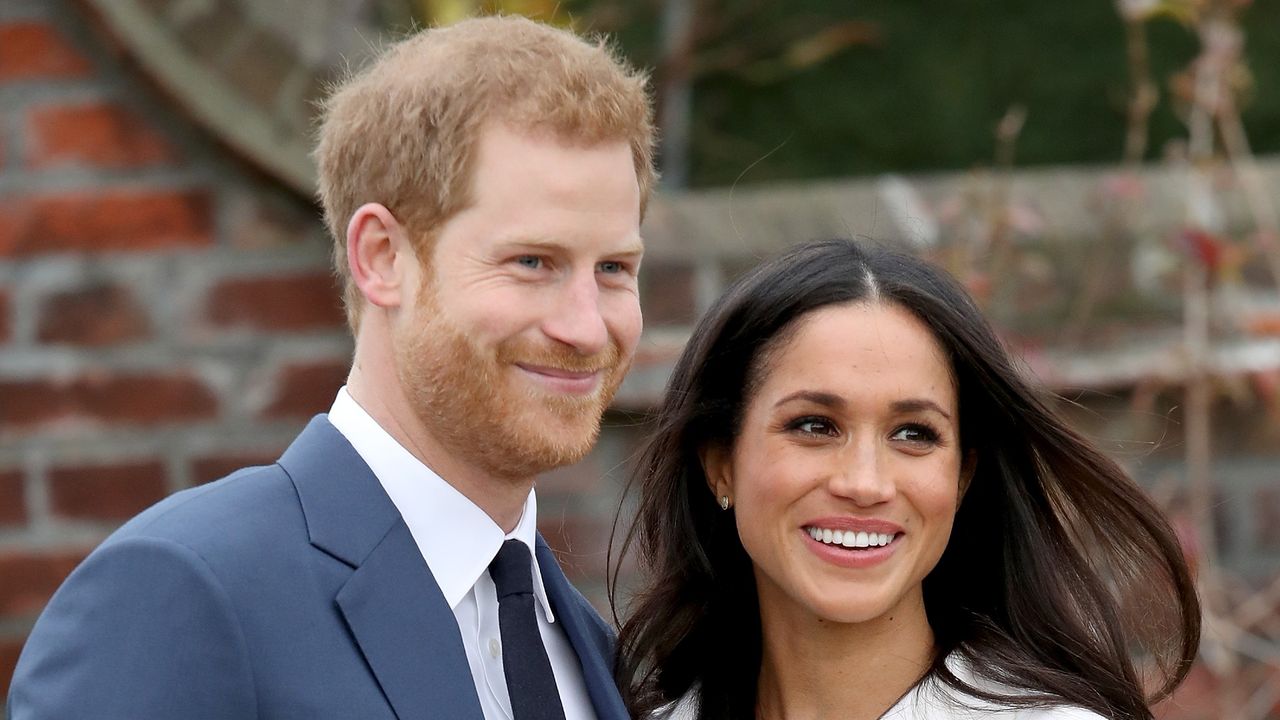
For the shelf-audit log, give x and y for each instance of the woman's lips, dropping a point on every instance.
(852, 542)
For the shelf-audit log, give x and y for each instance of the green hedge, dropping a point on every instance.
(928, 93)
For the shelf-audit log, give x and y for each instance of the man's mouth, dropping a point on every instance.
(575, 382)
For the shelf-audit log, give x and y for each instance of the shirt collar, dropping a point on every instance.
(457, 539)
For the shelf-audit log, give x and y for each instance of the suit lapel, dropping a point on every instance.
(596, 661)
(408, 633)
(396, 612)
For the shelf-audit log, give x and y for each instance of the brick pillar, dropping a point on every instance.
(166, 314)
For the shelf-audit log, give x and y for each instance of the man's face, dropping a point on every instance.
(528, 312)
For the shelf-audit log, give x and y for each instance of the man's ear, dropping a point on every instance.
(375, 240)
(967, 467)
(717, 466)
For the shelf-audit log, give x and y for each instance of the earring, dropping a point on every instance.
(724, 502)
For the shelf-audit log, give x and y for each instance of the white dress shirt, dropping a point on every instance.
(458, 541)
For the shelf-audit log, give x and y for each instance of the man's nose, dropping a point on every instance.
(575, 318)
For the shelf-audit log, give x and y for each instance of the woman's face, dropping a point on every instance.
(846, 474)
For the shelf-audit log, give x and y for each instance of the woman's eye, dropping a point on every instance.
(813, 426)
(915, 434)
(532, 262)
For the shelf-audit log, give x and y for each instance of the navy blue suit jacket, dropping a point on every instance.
(293, 591)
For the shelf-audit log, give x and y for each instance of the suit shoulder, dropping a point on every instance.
(597, 624)
(600, 632)
(115, 641)
(247, 507)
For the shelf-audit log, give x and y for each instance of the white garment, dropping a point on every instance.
(931, 700)
(458, 541)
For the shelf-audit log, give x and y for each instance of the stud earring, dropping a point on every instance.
(724, 502)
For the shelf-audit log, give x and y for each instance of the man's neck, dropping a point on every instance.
(502, 499)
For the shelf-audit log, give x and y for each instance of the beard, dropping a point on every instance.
(473, 401)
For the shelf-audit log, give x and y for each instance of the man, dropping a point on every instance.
(484, 184)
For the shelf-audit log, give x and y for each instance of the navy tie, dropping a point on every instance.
(524, 659)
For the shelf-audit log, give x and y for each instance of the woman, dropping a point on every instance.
(854, 506)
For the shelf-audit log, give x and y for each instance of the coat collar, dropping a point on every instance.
(347, 513)
(392, 604)
(590, 638)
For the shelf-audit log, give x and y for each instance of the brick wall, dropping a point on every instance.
(166, 315)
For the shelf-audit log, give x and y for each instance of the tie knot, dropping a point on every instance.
(512, 569)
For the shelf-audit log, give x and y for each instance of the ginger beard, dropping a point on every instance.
(474, 402)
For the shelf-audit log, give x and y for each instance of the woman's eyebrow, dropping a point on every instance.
(817, 397)
(917, 405)
(834, 401)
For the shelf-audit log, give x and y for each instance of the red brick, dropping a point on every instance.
(304, 390)
(13, 502)
(93, 316)
(119, 220)
(213, 467)
(9, 651)
(4, 317)
(99, 135)
(301, 302)
(115, 398)
(28, 579)
(33, 50)
(105, 492)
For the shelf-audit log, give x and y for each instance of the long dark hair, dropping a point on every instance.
(1061, 579)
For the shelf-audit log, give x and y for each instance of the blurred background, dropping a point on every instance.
(1103, 175)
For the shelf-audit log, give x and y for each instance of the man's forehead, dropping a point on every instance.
(633, 245)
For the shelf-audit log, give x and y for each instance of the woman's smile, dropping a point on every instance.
(846, 474)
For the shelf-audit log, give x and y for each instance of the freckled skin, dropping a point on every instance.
(526, 291)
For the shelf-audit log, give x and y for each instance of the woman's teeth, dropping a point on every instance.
(849, 538)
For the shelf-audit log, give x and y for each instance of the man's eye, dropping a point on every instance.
(611, 267)
(532, 262)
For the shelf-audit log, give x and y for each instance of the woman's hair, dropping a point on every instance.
(1061, 580)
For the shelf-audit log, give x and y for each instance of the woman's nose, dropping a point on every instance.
(862, 475)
